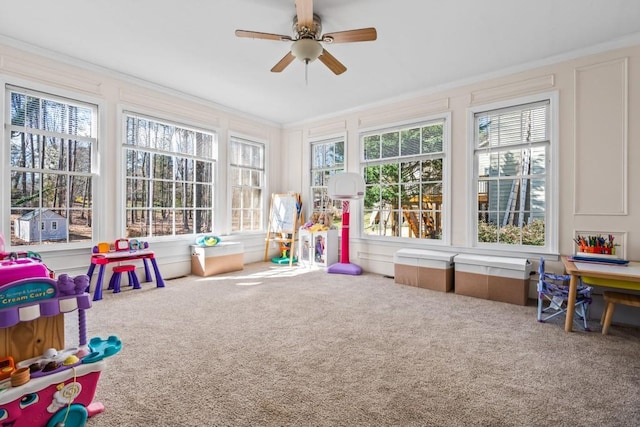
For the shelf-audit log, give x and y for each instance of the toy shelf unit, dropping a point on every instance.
(41, 386)
(318, 248)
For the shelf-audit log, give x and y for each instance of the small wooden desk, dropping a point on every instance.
(621, 276)
(102, 259)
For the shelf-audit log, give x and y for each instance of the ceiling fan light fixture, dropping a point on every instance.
(306, 50)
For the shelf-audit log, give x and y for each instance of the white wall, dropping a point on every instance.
(599, 149)
(113, 92)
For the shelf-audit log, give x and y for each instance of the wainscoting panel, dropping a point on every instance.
(327, 129)
(172, 106)
(601, 114)
(402, 112)
(49, 74)
(523, 87)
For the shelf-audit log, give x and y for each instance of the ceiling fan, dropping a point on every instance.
(307, 39)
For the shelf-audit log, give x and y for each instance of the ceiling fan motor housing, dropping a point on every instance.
(315, 32)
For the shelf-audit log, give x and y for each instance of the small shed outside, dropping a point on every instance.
(41, 224)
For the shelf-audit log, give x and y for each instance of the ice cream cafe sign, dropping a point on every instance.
(25, 293)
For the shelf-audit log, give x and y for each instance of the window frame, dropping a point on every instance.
(71, 97)
(552, 196)
(446, 214)
(336, 203)
(233, 136)
(182, 123)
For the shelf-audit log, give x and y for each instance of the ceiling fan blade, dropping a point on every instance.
(282, 64)
(361, 35)
(304, 10)
(332, 63)
(266, 36)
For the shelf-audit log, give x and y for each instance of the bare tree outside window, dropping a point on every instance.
(52, 141)
(247, 181)
(169, 172)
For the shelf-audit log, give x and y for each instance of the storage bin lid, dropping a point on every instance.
(222, 248)
(520, 264)
(423, 254)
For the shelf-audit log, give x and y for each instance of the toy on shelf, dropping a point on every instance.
(207, 240)
(319, 249)
(285, 252)
(42, 386)
(596, 244)
(319, 222)
(120, 245)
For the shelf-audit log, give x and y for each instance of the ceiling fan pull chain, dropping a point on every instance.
(306, 72)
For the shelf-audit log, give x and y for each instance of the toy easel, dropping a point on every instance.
(284, 217)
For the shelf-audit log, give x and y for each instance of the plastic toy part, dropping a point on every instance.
(101, 348)
(52, 361)
(101, 248)
(20, 377)
(7, 366)
(283, 260)
(207, 240)
(121, 245)
(19, 268)
(74, 415)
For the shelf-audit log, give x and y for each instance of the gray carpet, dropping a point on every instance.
(274, 346)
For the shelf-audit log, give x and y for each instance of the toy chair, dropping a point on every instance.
(553, 294)
(115, 281)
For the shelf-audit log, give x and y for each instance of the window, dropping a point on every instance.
(404, 170)
(169, 172)
(327, 159)
(511, 156)
(52, 143)
(54, 225)
(247, 180)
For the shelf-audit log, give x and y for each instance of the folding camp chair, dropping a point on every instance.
(553, 295)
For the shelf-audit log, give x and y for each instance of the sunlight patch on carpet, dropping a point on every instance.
(252, 279)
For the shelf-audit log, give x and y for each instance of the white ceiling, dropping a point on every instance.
(190, 46)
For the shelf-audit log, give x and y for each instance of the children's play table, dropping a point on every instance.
(105, 258)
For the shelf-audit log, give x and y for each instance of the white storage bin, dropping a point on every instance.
(221, 258)
(424, 268)
(495, 278)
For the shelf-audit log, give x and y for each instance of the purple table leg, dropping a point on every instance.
(147, 273)
(97, 294)
(159, 281)
(82, 327)
(92, 267)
